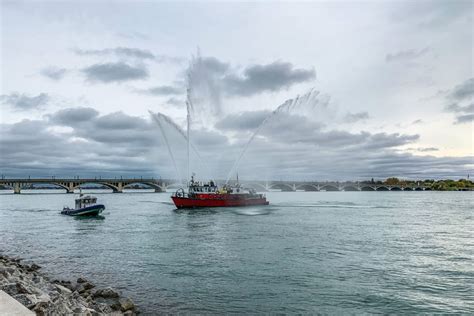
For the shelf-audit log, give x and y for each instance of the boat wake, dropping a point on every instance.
(196, 211)
(254, 211)
(332, 204)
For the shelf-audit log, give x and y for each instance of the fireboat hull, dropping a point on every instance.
(186, 202)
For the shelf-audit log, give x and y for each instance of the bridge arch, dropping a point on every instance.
(175, 185)
(396, 189)
(382, 188)
(17, 187)
(281, 186)
(61, 185)
(367, 188)
(257, 186)
(56, 184)
(350, 188)
(307, 187)
(329, 187)
(155, 186)
(407, 189)
(109, 185)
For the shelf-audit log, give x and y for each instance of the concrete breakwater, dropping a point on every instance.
(44, 296)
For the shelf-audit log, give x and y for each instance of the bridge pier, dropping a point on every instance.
(160, 190)
(70, 187)
(16, 188)
(119, 188)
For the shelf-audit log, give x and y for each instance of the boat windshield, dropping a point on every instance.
(203, 189)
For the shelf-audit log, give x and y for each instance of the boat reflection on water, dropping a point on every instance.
(89, 218)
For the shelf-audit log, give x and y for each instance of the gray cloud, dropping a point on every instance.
(162, 90)
(128, 52)
(459, 97)
(463, 119)
(213, 64)
(454, 107)
(384, 140)
(266, 78)
(44, 152)
(54, 73)
(289, 129)
(120, 51)
(424, 149)
(115, 72)
(120, 144)
(464, 90)
(23, 102)
(406, 55)
(73, 116)
(355, 117)
(417, 122)
(209, 77)
(119, 120)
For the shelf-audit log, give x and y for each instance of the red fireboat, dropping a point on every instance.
(209, 195)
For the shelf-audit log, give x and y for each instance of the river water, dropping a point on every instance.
(307, 252)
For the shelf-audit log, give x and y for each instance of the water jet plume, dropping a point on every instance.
(288, 106)
(160, 118)
(167, 145)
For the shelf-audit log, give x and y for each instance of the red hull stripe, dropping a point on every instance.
(182, 202)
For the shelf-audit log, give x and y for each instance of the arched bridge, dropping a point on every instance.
(161, 185)
(331, 186)
(116, 185)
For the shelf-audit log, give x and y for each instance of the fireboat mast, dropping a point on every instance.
(188, 121)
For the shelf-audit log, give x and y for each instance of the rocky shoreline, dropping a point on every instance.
(36, 291)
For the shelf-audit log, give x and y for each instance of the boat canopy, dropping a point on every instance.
(84, 201)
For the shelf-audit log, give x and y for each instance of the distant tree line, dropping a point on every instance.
(438, 185)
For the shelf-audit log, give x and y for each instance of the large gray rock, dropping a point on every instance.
(4, 272)
(37, 279)
(27, 300)
(105, 293)
(67, 284)
(62, 289)
(81, 280)
(126, 304)
(42, 308)
(83, 287)
(16, 288)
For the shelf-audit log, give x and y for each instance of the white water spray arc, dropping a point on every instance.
(167, 145)
(289, 105)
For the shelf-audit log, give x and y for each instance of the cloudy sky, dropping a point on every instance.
(385, 88)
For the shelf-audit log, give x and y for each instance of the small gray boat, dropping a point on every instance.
(85, 206)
